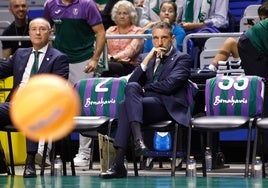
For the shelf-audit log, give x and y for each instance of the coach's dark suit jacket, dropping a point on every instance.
(54, 62)
(171, 86)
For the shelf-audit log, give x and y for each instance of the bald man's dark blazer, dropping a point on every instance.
(54, 62)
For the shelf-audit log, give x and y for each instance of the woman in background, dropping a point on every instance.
(168, 13)
(123, 53)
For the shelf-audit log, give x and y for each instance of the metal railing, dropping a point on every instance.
(113, 36)
(123, 36)
(138, 36)
(105, 51)
(119, 36)
(206, 35)
(14, 38)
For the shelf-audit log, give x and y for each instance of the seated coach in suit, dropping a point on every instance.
(156, 91)
(20, 67)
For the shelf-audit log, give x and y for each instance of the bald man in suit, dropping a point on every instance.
(20, 66)
(152, 94)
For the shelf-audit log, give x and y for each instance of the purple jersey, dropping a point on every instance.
(74, 22)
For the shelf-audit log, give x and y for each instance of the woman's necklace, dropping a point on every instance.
(23, 34)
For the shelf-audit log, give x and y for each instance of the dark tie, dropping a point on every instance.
(36, 63)
(158, 69)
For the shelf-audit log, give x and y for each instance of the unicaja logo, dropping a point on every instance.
(75, 11)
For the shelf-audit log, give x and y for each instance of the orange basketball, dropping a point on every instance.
(45, 107)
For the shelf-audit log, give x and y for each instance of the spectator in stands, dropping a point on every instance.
(123, 53)
(168, 13)
(19, 27)
(106, 13)
(138, 3)
(198, 14)
(263, 11)
(206, 17)
(156, 91)
(151, 11)
(20, 65)
(229, 47)
(80, 35)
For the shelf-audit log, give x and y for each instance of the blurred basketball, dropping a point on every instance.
(45, 107)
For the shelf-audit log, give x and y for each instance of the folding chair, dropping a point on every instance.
(99, 107)
(232, 102)
(260, 128)
(9, 129)
(169, 126)
(100, 97)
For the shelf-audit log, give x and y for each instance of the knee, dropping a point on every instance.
(231, 40)
(132, 87)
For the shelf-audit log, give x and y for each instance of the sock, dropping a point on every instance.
(119, 156)
(136, 130)
(215, 64)
(237, 59)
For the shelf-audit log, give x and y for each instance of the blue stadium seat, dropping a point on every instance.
(35, 12)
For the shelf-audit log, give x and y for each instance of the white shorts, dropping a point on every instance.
(77, 71)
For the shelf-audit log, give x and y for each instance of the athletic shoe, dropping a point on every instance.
(81, 160)
(38, 160)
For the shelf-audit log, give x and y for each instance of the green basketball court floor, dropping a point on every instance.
(155, 178)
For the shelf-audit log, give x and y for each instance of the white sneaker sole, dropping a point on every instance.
(81, 164)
